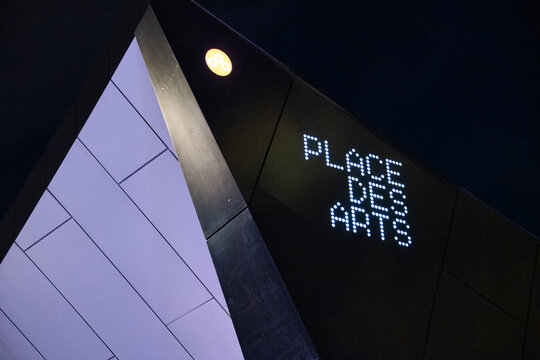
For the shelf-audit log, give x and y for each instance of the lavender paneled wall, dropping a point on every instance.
(113, 263)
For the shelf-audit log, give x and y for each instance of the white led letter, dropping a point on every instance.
(328, 162)
(390, 172)
(404, 209)
(363, 195)
(309, 151)
(356, 224)
(369, 166)
(381, 221)
(353, 159)
(402, 232)
(344, 219)
(373, 195)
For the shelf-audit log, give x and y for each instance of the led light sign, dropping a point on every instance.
(218, 62)
(376, 203)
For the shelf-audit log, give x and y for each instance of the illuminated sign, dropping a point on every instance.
(377, 199)
(218, 62)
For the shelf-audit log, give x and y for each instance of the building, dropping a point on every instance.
(381, 257)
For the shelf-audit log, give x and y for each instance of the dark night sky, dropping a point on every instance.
(457, 83)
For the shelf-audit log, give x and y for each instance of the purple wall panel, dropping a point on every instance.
(160, 190)
(94, 287)
(42, 314)
(126, 236)
(208, 333)
(118, 136)
(118, 267)
(47, 215)
(133, 80)
(13, 345)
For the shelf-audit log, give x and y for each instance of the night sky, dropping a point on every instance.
(456, 83)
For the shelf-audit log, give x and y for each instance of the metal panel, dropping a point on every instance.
(491, 255)
(213, 189)
(468, 326)
(265, 318)
(243, 108)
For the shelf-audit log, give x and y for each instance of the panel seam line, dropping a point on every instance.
(49, 233)
(142, 166)
(227, 222)
(190, 311)
(23, 334)
(485, 297)
(142, 117)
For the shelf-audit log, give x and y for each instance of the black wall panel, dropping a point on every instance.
(468, 326)
(361, 297)
(242, 108)
(266, 322)
(492, 255)
(532, 343)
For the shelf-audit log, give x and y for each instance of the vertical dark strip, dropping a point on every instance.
(534, 280)
(440, 273)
